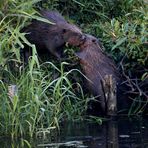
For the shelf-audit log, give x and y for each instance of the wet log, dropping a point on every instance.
(110, 94)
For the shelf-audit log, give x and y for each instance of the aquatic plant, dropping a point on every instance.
(41, 100)
(45, 95)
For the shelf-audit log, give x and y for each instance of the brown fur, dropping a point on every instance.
(95, 65)
(51, 38)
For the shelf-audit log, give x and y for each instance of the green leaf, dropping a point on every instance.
(120, 41)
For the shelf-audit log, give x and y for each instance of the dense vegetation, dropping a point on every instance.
(45, 94)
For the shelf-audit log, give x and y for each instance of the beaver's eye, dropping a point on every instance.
(64, 30)
(93, 40)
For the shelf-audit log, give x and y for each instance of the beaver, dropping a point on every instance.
(96, 66)
(50, 38)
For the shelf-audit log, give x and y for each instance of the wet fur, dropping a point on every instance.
(50, 38)
(95, 65)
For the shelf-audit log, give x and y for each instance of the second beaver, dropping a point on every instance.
(50, 38)
(96, 65)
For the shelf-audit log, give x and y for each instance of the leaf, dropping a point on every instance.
(117, 25)
(15, 102)
(36, 17)
(122, 40)
(79, 3)
(98, 1)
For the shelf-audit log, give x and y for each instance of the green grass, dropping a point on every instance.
(46, 95)
(41, 100)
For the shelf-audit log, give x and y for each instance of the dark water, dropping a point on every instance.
(120, 133)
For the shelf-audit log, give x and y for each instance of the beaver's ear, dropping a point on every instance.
(80, 55)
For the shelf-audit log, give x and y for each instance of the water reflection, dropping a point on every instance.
(120, 133)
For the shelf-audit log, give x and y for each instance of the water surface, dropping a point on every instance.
(120, 133)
